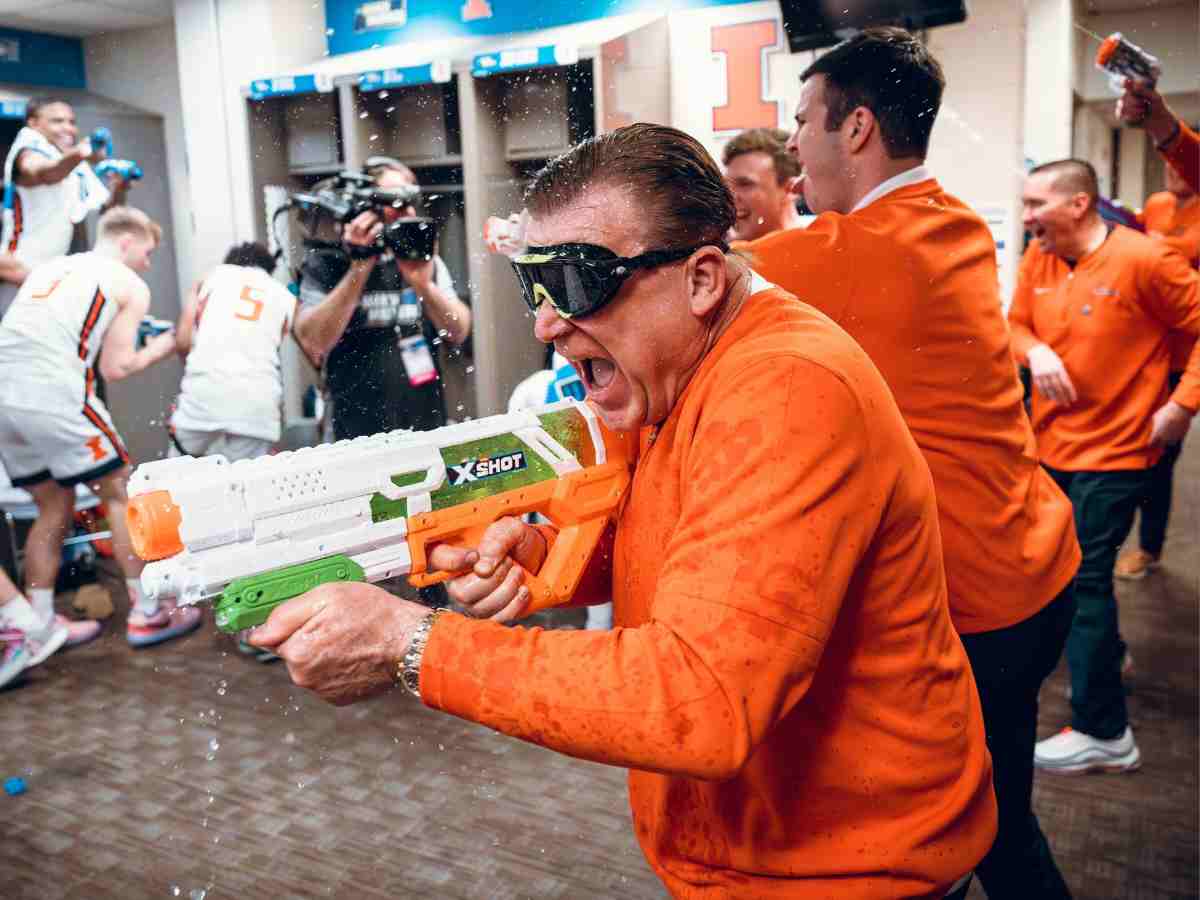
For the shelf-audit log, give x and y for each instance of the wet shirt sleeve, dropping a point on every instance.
(782, 502)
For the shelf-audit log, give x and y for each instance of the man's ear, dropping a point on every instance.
(705, 280)
(858, 128)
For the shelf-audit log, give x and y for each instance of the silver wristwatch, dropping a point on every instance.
(410, 663)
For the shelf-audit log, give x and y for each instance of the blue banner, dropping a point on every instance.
(379, 79)
(523, 58)
(48, 60)
(12, 109)
(353, 25)
(286, 86)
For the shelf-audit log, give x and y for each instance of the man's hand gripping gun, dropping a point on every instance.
(254, 533)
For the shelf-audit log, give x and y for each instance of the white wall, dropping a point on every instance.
(1050, 71)
(140, 68)
(224, 44)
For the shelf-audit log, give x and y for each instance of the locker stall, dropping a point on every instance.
(474, 118)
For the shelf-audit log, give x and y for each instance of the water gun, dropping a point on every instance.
(255, 533)
(151, 327)
(1123, 59)
(126, 168)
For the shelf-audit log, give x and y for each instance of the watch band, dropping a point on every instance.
(409, 669)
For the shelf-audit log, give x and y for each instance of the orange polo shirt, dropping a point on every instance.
(1108, 320)
(1184, 154)
(912, 277)
(1179, 228)
(783, 679)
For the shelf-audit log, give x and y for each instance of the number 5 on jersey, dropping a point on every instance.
(256, 300)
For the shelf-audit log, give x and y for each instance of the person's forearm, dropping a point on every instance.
(117, 194)
(50, 172)
(1023, 340)
(446, 311)
(13, 270)
(320, 327)
(610, 696)
(136, 362)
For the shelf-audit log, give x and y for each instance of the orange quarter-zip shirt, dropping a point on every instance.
(1108, 319)
(783, 680)
(1178, 226)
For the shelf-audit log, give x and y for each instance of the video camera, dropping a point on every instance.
(353, 193)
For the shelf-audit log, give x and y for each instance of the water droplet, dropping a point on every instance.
(214, 745)
(176, 890)
(198, 894)
(222, 686)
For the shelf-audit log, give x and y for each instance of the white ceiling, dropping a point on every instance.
(1120, 6)
(83, 17)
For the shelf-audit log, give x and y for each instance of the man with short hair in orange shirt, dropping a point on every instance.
(1173, 217)
(783, 681)
(1091, 315)
(761, 175)
(910, 272)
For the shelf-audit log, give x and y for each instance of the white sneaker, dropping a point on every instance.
(1072, 752)
(46, 641)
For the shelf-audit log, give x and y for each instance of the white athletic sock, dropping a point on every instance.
(138, 600)
(19, 613)
(42, 600)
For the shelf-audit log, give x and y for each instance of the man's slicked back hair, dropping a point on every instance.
(771, 141)
(891, 73)
(1072, 176)
(667, 172)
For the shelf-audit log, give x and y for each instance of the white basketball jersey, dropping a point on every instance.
(54, 329)
(232, 381)
(41, 222)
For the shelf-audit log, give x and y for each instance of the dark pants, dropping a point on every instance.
(1010, 665)
(1104, 504)
(1156, 502)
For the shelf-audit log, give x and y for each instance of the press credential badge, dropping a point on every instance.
(418, 360)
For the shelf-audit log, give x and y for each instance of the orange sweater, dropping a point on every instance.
(1178, 228)
(1184, 154)
(912, 278)
(784, 678)
(1108, 320)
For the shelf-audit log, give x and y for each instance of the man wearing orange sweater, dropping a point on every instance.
(1173, 217)
(783, 681)
(910, 272)
(1091, 315)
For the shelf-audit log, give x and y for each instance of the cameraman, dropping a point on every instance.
(372, 323)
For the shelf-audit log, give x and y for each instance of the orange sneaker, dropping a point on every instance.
(1135, 564)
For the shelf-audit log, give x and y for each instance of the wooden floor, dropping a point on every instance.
(191, 771)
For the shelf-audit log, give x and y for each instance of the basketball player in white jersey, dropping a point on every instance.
(55, 433)
(51, 186)
(230, 333)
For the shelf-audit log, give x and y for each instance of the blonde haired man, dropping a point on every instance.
(55, 432)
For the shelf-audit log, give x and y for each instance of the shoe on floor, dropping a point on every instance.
(79, 631)
(14, 655)
(167, 624)
(1072, 752)
(1135, 564)
(45, 641)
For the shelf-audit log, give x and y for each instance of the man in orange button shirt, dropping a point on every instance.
(783, 680)
(910, 272)
(1090, 317)
(1173, 217)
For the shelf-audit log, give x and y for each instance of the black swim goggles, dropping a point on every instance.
(579, 279)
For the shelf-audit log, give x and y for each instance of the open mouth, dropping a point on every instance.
(597, 373)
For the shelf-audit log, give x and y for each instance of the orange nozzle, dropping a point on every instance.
(153, 521)
(1107, 48)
